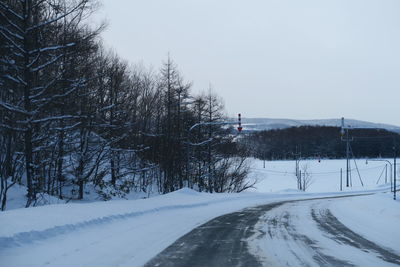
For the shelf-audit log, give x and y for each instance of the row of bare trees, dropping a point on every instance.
(75, 118)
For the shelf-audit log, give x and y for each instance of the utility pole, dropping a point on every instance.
(345, 130)
(264, 157)
(394, 180)
(347, 157)
(391, 170)
(341, 175)
(300, 187)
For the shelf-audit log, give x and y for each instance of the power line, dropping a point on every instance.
(314, 173)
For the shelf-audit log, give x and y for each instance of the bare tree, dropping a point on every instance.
(306, 178)
(33, 59)
(232, 175)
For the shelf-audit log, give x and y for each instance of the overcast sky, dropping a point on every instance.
(298, 59)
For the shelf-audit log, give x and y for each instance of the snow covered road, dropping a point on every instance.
(288, 233)
(252, 229)
(115, 233)
(306, 233)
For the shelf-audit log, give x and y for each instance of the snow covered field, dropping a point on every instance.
(325, 175)
(131, 232)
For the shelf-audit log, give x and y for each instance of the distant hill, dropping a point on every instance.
(319, 141)
(261, 124)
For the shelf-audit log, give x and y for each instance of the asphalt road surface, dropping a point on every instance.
(288, 233)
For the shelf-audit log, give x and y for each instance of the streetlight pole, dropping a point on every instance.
(391, 169)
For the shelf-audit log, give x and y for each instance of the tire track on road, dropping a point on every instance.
(339, 232)
(219, 242)
(224, 241)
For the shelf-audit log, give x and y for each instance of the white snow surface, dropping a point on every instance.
(131, 232)
(16, 198)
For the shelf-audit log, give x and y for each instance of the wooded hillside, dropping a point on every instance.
(75, 117)
(319, 141)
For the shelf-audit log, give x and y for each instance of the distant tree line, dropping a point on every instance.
(319, 141)
(73, 114)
